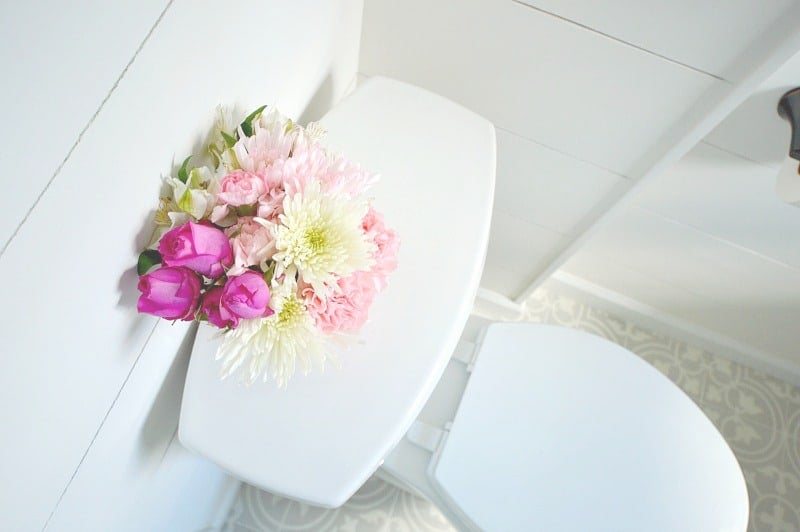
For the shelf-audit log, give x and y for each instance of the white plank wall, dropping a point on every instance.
(535, 75)
(60, 61)
(579, 113)
(542, 197)
(713, 37)
(85, 380)
(710, 242)
(588, 98)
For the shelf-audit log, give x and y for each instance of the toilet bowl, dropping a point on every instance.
(538, 427)
(523, 427)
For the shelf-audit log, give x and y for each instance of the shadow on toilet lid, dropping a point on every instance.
(320, 439)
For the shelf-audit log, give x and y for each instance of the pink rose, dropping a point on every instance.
(217, 314)
(199, 247)
(246, 296)
(241, 188)
(251, 244)
(170, 293)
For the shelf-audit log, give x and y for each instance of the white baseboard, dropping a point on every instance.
(665, 323)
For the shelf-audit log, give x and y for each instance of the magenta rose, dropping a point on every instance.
(170, 293)
(241, 188)
(246, 296)
(202, 248)
(216, 313)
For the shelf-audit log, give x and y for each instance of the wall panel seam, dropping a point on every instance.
(742, 156)
(744, 249)
(564, 153)
(621, 41)
(83, 132)
(100, 426)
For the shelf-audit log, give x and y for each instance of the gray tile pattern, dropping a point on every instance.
(758, 415)
(377, 506)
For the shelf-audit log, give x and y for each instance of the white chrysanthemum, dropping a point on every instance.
(275, 345)
(321, 236)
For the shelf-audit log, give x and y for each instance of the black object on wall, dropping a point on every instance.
(789, 108)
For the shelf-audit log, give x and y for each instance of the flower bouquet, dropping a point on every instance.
(272, 240)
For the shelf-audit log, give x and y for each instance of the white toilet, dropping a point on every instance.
(526, 427)
(539, 427)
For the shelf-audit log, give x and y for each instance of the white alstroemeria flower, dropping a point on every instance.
(274, 345)
(197, 196)
(224, 126)
(321, 236)
(168, 216)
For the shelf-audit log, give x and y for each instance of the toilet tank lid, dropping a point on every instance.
(559, 429)
(320, 439)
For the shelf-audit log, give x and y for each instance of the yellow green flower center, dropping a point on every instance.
(315, 238)
(291, 310)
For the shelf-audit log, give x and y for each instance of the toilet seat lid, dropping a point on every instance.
(321, 438)
(563, 430)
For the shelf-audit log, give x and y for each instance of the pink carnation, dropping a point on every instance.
(271, 203)
(241, 188)
(251, 243)
(387, 245)
(346, 308)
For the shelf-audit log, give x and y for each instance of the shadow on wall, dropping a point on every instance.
(320, 103)
(758, 127)
(162, 421)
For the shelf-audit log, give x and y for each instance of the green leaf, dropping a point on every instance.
(247, 124)
(147, 259)
(269, 274)
(229, 140)
(246, 210)
(183, 174)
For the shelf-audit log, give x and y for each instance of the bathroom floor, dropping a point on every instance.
(758, 415)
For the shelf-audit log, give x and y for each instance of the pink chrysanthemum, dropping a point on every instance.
(266, 145)
(309, 162)
(347, 178)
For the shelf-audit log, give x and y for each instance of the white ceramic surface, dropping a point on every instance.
(322, 438)
(78, 381)
(563, 430)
